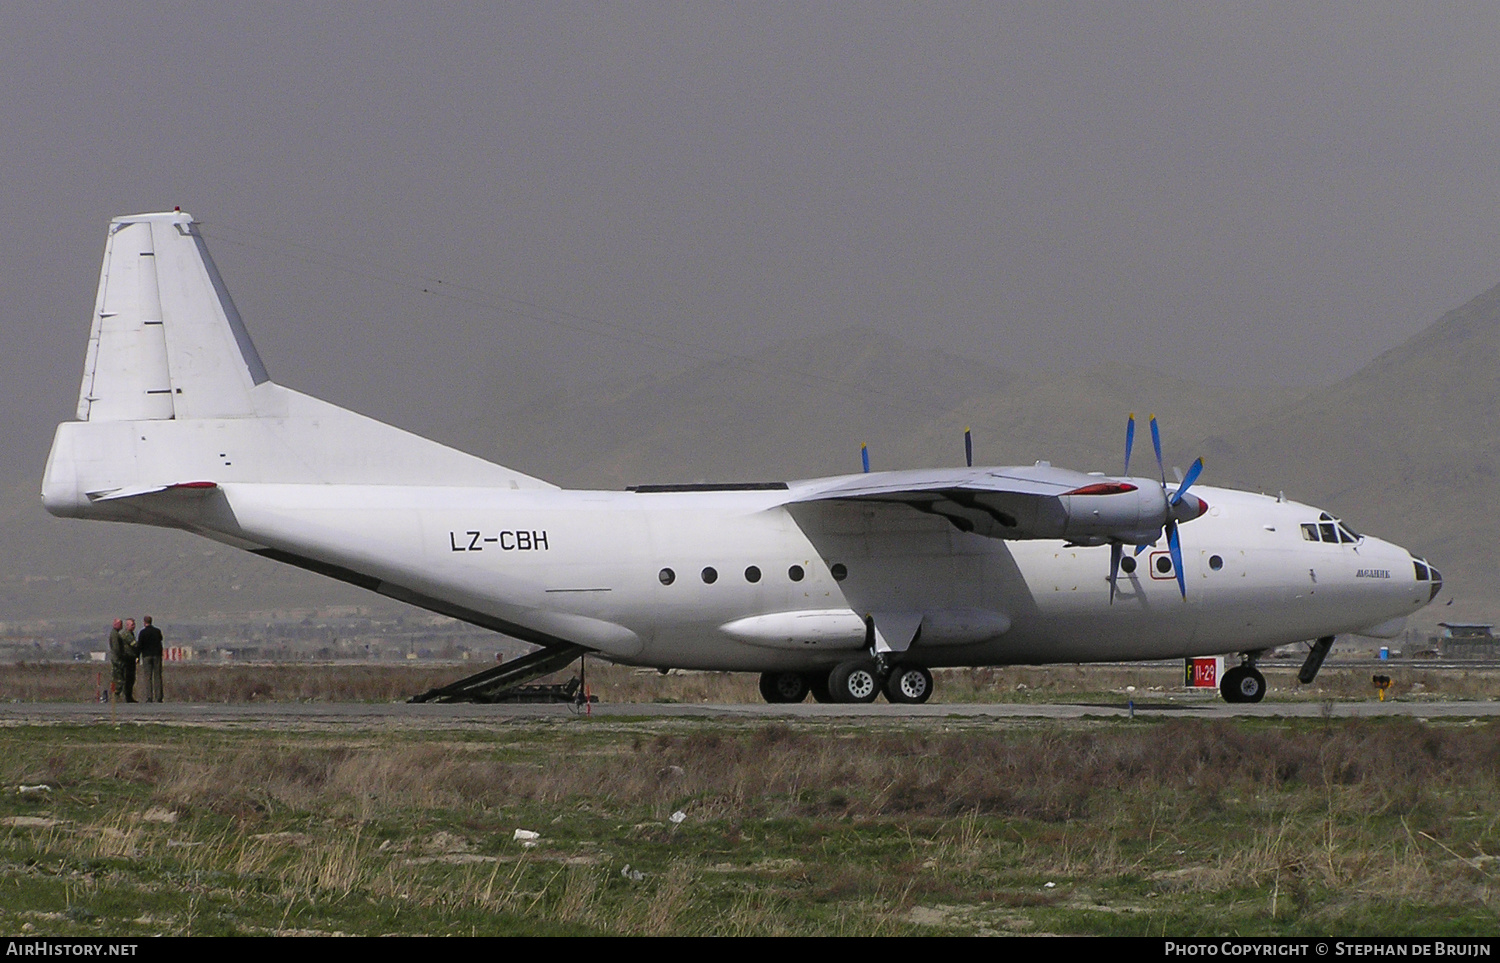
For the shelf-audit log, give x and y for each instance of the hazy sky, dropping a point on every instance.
(1240, 193)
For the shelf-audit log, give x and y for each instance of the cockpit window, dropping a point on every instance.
(1329, 535)
(1309, 531)
(1353, 535)
(1421, 571)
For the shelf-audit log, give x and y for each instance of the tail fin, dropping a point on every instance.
(174, 394)
(166, 341)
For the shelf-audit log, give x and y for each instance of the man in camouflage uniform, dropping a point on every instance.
(122, 654)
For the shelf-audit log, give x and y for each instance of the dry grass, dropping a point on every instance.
(791, 828)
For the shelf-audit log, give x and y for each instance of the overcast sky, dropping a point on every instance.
(424, 208)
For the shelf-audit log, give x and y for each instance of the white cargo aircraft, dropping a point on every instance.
(845, 587)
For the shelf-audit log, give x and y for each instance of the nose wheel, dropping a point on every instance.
(1243, 683)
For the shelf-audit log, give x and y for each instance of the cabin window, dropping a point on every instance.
(1127, 565)
(839, 572)
(667, 576)
(710, 575)
(1215, 562)
(795, 573)
(1164, 564)
(752, 574)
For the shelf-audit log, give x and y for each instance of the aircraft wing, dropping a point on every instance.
(1037, 501)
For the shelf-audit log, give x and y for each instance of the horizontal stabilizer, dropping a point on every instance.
(190, 489)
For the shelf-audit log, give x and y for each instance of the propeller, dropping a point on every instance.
(1174, 501)
(1114, 546)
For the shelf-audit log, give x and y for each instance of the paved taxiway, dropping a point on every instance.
(404, 715)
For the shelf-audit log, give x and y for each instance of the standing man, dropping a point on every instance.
(127, 648)
(148, 643)
(122, 660)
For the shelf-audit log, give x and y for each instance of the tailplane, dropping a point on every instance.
(174, 395)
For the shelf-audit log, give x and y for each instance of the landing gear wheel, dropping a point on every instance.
(908, 685)
(854, 681)
(1242, 684)
(817, 683)
(783, 687)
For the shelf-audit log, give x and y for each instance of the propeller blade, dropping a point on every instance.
(1129, 441)
(1176, 548)
(1194, 470)
(1114, 568)
(968, 448)
(864, 457)
(1156, 444)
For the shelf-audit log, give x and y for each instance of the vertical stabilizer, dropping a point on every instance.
(166, 341)
(174, 396)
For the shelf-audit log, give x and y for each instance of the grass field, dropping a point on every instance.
(933, 826)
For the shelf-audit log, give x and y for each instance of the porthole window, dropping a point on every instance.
(710, 575)
(795, 573)
(1215, 562)
(752, 574)
(667, 576)
(1127, 565)
(839, 572)
(1164, 564)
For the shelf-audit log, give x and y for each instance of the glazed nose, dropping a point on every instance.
(1427, 573)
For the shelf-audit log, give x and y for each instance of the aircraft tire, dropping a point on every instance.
(817, 683)
(1242, 684)
(783, 687)
(854, 681)
(908, 685)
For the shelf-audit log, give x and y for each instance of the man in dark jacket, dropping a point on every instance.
(148, 643)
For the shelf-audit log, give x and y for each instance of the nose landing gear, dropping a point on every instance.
(1243, 683)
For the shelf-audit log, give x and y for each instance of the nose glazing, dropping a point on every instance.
(1426, 573)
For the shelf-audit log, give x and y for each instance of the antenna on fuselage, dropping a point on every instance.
(864, 457)
(968, 448)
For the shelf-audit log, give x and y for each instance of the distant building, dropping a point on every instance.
(1468, 640)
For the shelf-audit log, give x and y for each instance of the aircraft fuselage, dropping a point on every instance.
(744, 581)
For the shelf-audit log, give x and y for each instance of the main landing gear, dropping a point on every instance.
(1243, 683)
(858, 680)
